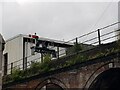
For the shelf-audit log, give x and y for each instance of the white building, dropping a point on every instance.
(18, 51)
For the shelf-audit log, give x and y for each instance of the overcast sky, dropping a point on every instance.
(56, 20)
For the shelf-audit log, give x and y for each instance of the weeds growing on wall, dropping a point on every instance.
(42, 67)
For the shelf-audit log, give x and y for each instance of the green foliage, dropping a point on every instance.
(37, 67)
(34, 68)
(47, 58)
(16, 74)
(75, 48)
(81, 58)
(7, 78)
(77, 59)
(46, 63)
(69, 63)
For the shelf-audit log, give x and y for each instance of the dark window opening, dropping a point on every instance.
(5, 63)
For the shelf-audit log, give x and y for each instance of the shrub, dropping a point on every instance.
(16, 74)
(47, 58)
(45, 66)
(75, 48)
(37, 67)
(34, 68)
(7, 78)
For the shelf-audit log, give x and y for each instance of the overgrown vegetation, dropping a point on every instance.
(45, 66)
(35, 68)
(76, 48)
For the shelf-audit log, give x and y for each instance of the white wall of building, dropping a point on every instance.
(14, 48)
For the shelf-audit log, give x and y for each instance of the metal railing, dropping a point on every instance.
(92, 39)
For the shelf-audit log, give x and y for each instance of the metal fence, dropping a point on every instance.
(100, 36)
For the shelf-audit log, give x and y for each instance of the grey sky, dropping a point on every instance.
(57, 20)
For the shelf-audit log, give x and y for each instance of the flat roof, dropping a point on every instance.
(56, 42)
(19, 35)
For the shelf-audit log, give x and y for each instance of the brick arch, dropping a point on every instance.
(109, 80)
(97, 72)
(51, 80)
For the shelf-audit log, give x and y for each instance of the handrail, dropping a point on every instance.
(74, 40)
